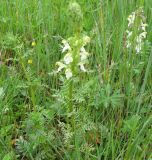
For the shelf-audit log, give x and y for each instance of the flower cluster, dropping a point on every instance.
(136, 32)
(75, 56)
(75, 11)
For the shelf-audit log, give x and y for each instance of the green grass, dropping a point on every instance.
(105, 114)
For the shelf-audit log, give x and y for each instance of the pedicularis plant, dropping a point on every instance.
(136, 32)
(74, 61)
(75, 56)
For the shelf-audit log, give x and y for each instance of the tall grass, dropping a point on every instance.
(111, 104)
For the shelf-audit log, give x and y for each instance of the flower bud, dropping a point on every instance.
(75, 12)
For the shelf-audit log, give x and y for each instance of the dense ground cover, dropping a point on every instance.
(76, 80)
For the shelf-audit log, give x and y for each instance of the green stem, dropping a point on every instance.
(70, 96)
(71, 103)
(28, 79)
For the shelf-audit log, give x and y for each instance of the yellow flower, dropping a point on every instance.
(30, 61)
(68, 73)
(82, 68)
(66, 46)
(61, 66)
(83, 54)
(68, 58)
(33, 44)
(86, 40)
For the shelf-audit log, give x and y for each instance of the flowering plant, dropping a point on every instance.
(76, 56)
(136, 32)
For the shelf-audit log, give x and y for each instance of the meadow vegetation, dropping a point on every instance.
(76, 80)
